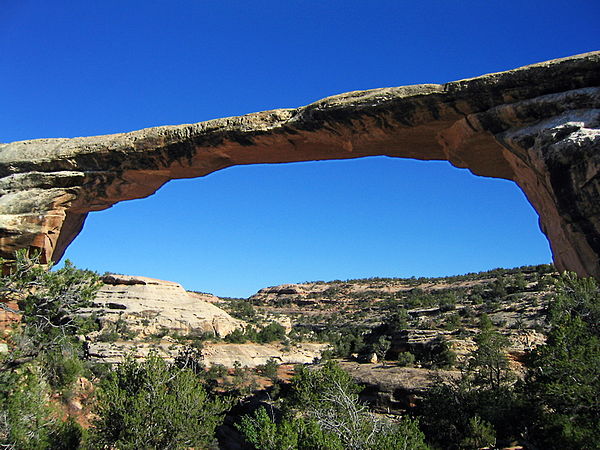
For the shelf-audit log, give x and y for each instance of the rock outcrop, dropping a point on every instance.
(247, 355)
(392, 387)
(537, 125)
(252, 355)
(147, 307)
(139, 315)
(8, 316)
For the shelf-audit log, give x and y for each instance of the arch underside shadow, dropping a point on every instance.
(270, 224)
(537, 126)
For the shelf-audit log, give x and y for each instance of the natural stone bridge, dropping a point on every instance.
(537, 125)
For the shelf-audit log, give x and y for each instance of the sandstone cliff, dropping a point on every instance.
(415, 313)
(147, 306)
(537, 125)
(249, 355)
(139, 315)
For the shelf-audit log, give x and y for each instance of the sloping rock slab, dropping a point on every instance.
(149, 306)
(252, 355)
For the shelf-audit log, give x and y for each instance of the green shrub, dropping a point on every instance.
(344, 343)
(324, 413)
(45, 355)
(48, 300)
(272, 332)
(216, 371)
(480, 434)
(497, 290)
(269, 369)
(62, 368)
(563, 384)
(264, 433)
(518, 283)
(438, 354)
(108, 336)
(190, 358)
(155, 405)
(557, 405)
(406, 359)
(239, 336)
(27, 421)
(458, 414)
(66, 435)
(489, 363)
(452, 322)
(241, 309)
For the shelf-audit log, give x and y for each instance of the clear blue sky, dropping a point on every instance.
(75, 68)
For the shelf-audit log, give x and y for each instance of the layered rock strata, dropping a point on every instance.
(147, 307)
(537, 126)
(247, 355)
(139, 315)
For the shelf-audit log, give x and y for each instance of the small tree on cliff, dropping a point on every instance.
(48, 301)
(43, 357)
(489, 363)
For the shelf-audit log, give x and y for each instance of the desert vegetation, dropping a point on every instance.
(485, 390)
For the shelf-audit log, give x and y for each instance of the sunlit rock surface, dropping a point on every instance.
(537, 125)
(139, 315)
(229, 355)
(148, 307)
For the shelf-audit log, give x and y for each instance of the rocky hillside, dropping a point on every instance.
(423, 307)
(137, 315)
(394, 334)
(404, 341)
(431, 321)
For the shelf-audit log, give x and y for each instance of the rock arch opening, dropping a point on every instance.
(240, 229)
(538, 126)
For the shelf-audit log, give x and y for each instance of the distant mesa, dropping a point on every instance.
(537, 125)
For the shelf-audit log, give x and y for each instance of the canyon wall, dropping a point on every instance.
(537, 126)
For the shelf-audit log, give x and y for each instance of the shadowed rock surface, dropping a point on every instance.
(537, 125)
(394, 387)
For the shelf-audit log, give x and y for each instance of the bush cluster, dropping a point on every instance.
(264, 335)
(155, 404)
(554, 407)
(323, 412)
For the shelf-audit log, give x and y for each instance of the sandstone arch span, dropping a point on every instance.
(537, 125)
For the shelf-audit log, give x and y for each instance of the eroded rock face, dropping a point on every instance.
(247, 355)
(253, 355)
(537, 125)
(148, 306)
(392, 386)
